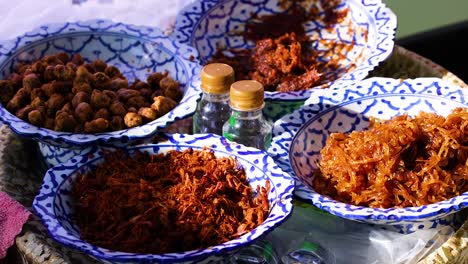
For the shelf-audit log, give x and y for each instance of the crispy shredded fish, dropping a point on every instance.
(402, 162)
(179, 201)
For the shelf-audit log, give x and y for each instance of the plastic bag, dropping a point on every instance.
(352, 242)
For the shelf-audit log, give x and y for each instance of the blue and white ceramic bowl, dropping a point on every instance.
(54, 203)
(370, 26)
(135, 50)
(299, 137)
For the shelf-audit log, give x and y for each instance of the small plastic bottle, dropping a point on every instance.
(213, 109)
(261, 252)
(246, 125)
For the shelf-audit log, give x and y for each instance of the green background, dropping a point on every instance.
(416, 16)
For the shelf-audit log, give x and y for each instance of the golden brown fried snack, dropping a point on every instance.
(60, 90)
(401, 162)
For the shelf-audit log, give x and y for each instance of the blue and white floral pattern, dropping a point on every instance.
(210, 24)
(135, 50)
(299, 137)
(54, 203)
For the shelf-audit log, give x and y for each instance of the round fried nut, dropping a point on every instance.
(132, 110)
(62, 87)
(19, 100)
(84, 112)
(99, 100)
(168, 83)
(118, 83)
(49, 123)
(37, 102)
(146, 93)
(118, 108)
(60, 72)
(49, 74)
(90, 68)
(96, 126)
(137, 102)
(77, 59)
(125, 94)
(147, 113)
(67, 107)
(102, 113)
(82, 87)
(8, 91)
(55, 102)
(99, 65)
(23, 112)
(175, 94)
(117, 123)
(65, 122)
(111, 94)
(80, 97)
(31, 81)
(113, 72)
(101, 81)
(154, 79)
(72, 66)
(141, 85)
(133, 120)
(38, 67)
(37, 93)
(63, 57)
(82, 75)
(163, 105)
(52, 60)
(36, 118)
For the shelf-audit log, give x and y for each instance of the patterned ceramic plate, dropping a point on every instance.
(299, 137)
(135, 50)
(357, 44)
(53, 203)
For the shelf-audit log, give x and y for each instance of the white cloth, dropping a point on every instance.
(20, 16)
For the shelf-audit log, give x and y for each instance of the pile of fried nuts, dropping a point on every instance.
(63, 93)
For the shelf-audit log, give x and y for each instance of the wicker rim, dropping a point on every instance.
(430, 66)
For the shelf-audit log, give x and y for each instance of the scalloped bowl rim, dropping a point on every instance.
(191, 96)
(284, 197)
(355, 212)
(388, 33)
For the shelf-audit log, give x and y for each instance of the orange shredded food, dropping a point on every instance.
(402, 162)
(178, 201)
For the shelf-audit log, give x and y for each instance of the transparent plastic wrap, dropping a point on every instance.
(311, 232)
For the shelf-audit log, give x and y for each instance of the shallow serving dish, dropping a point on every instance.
(54, 204)
(299, 137)
(369, 26)
(135, 50)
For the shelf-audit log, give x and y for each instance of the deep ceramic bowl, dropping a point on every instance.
(135, 50)
(54, 204)
(370, 26)
(299, 137)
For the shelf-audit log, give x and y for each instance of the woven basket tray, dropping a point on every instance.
(21, 179)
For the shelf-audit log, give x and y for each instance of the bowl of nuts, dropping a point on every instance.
(75, 86)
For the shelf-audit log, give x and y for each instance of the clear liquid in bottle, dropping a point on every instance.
(246, 125)
(213, 109)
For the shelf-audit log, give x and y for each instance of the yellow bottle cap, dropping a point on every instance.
(217, 78)
(246, 95)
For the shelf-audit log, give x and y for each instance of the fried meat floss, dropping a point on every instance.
(402, 162)
(284, 59)
(165, 203)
